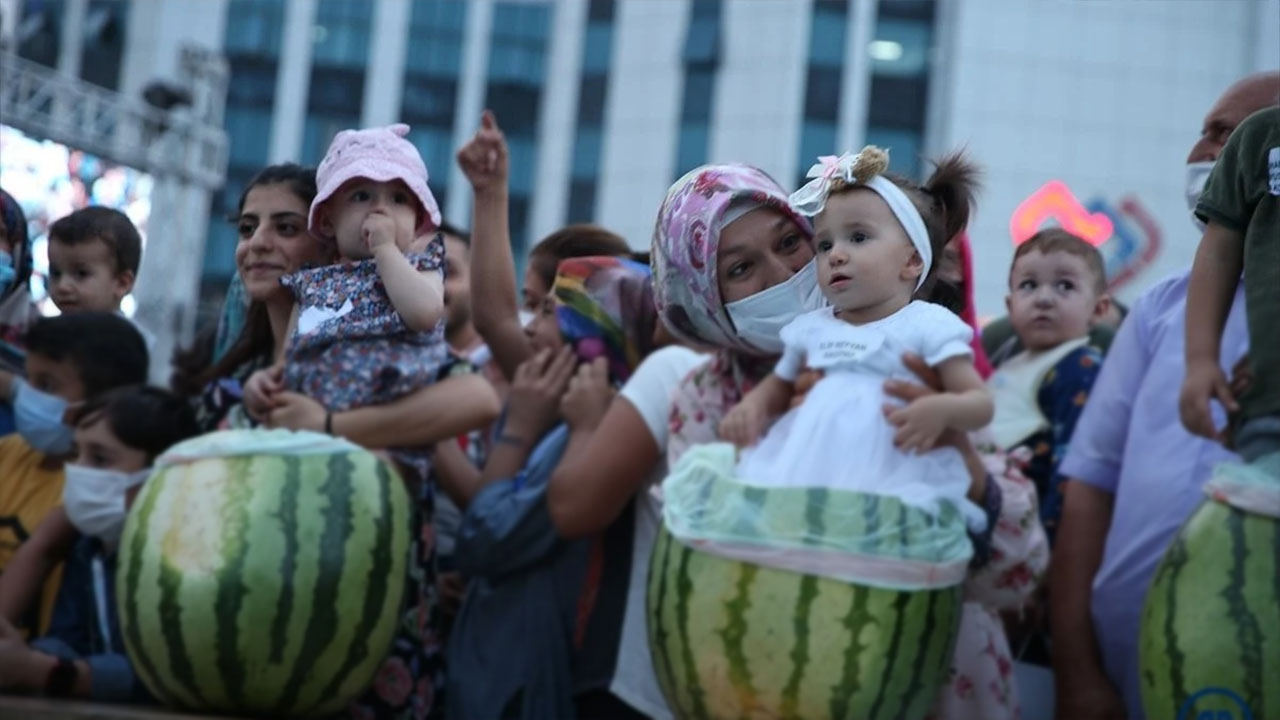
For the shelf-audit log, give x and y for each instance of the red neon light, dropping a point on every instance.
(1054, 201)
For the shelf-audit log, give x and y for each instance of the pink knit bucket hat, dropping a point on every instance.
(380, 154)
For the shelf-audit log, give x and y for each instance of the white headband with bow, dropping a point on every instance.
(812, 198)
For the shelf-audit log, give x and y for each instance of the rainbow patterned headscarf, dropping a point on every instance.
(606, 310)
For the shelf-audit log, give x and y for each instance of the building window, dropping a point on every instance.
(900, 72)
(701, 60)
(824, 79)
(252, 45)
(340, 39)
(104, 30)
(517, 69)
(40, 33)
(430, 91)
(593, 92)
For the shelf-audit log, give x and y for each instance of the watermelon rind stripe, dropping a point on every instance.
(735, 630)
(815, 505)
(854, 622)
(278, 636)
(1248, 634)
(1175, 559)
(659, 574)
(171, 628)
(322, 626)
(133, 635)
(799, 653)
(375, 597)
(916, 686)
(231, 588)
(684, 587)
(891, 655)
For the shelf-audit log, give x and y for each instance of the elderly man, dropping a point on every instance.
(1136, 474)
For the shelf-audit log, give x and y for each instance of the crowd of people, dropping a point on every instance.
(830, 333)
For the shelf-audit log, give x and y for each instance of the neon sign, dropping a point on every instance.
(1055, 202)
(1125, 233)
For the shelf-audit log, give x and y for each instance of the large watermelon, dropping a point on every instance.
(261, 572)
(1210, 633)
(735, 640)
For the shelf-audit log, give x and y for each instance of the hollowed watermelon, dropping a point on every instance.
(732, 639)
(1209, 642)
(262, 573)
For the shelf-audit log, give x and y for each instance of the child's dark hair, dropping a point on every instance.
(1051, 240)
(112, 227)
(944, 201)
(107, 350)
(574, 241)
(144, 418)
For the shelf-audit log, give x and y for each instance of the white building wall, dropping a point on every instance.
(1105, 96)
(293, 78)
(642, 115)
(760, 87)
(384, 75)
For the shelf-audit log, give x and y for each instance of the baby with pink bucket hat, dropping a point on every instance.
(366, 330)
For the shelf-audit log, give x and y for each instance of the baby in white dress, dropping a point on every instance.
(875, 243)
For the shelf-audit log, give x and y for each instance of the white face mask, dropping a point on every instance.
(94, 500)
(760, 317)
(1197, 176)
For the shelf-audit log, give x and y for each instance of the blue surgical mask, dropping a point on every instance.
(7, 272)
(39, 419)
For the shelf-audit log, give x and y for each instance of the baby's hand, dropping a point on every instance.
(919, 424)
(261, 390)
(379, 230)
(1205, 381)
(743, 425)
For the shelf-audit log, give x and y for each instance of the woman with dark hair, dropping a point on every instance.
(272, 225)
(17, 312)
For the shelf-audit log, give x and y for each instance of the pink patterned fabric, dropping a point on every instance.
(381, 154)
(686, 241)
(981, 684)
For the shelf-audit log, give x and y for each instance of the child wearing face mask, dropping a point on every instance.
(1057, 293)
(118, 436)
(366, 331)
(875, 250)
(69, 358)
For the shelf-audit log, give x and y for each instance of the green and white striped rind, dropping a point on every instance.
(266, 585)
(733, 640)
(1212, 616)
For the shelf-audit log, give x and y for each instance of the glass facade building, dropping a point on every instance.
(516, 77)
(824, 80)
(593, 91)
(898, 106)
(701, 61)
(433, 66)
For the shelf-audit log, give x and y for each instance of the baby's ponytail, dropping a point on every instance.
(952, 186)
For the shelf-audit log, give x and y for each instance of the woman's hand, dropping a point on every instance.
(484, 159)
(536, 391)
(587, 399)
(908, 392)
(296, 412)
(261, 390)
